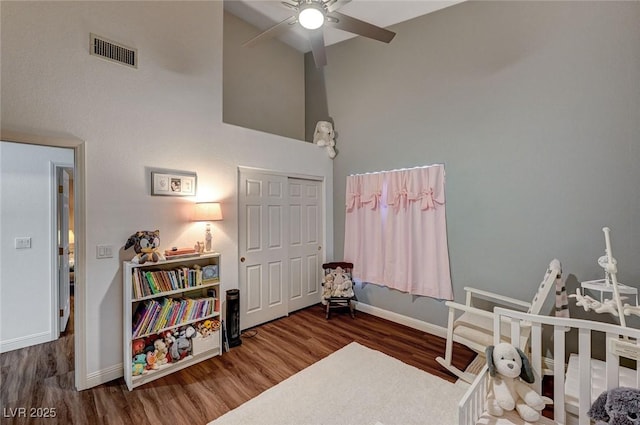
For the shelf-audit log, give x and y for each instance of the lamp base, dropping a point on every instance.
(207, 238)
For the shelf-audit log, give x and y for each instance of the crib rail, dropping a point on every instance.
(472, 405)
(621, 342)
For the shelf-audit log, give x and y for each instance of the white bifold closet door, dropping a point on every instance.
(280, 249)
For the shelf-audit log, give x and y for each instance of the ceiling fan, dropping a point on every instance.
(313, 15)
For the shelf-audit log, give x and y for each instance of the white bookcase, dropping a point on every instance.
(187, 291)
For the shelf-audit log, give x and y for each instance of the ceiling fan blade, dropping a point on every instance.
(274, 31)
(289, 5)
(317, 47)
(333, 5)
(356, 26)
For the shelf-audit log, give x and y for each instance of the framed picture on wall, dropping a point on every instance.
(173, 184)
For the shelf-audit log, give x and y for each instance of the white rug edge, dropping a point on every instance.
(352, 346)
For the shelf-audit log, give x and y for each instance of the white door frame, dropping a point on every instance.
(321, 179)
(62, 264)
(79, 189)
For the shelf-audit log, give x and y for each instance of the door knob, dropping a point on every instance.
(320, 248)
(242, 259)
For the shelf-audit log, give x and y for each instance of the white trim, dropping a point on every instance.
(402, 319)
(325, 217)
(54, 273)
(547, 362)
(55, 261)
(105, 375)
(79, 177)
(25, 341)
(243, 168)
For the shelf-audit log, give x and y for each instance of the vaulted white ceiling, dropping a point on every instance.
(383, 13)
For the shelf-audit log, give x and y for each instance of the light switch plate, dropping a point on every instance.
(23, 243)
(104, 251)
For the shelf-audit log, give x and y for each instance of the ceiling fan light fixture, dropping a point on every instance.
(311, 16)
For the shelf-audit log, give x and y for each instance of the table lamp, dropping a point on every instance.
(207, 211)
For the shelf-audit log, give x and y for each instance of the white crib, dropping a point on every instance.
(575, 386)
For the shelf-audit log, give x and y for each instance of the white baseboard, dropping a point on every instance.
(402, 319)
(24, 341)
(104, 375)
(425, 327)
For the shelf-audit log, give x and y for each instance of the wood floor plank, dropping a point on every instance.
(42, 376)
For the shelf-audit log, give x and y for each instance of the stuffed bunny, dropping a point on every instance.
(619, 406)
(506, 391)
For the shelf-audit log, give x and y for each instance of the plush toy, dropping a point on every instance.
(183, 345)
(139, 364)
(152, 360)
(204, 328)
(619, 406)
(169, 340)
(342, 285)
(145, 243)
(137, 346)
(327, 288)
(506, 392)
(161, 351)
(207, 327)
(324, 136)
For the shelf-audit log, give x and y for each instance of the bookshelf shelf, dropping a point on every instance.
(176, 302)
(178, 291)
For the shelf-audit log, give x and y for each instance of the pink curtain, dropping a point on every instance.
(365, 247)
(396, 233)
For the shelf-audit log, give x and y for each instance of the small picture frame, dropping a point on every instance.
(210, 272)
(173, 184)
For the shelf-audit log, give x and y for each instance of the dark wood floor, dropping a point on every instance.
(42, 376)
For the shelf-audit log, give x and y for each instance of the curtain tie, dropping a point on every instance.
(373, 200)
(400, 199)
(428, 200)
(353, 201)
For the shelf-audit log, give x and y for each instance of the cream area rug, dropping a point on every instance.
(356, 386)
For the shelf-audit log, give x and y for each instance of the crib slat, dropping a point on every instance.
(536, 355)
(613, 362)
(515, 333)
(558, 374)
(584, 357)
(638, 369)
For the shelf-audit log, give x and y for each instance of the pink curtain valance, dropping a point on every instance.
(423, 185)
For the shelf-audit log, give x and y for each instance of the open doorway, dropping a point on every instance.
(72, 341)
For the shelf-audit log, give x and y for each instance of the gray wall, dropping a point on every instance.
(263, 86)
(533, 107)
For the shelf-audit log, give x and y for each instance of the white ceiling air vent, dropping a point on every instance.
(113, 51)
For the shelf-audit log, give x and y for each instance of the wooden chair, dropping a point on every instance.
(474, 327)
(339, 302)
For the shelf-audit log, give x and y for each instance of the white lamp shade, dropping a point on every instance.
(207, 211)
(311, 17)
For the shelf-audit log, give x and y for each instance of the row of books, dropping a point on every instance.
(152, 316)
(148, 282)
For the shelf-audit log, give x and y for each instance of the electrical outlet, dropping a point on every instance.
(104, 251)
(23, 243)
